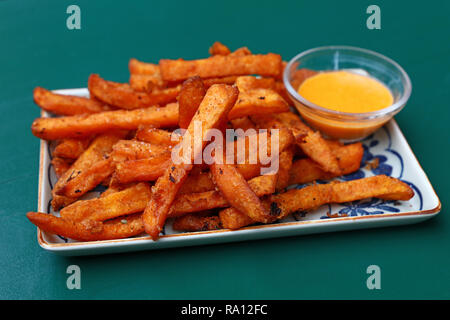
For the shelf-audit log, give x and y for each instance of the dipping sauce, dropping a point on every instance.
(346, 92)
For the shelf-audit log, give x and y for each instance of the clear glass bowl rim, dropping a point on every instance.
(392, 109)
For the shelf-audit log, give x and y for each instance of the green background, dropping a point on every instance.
(36, 48)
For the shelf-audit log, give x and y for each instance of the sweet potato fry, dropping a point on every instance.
(237, 192)
(285, 165)
(305, 170)
(314, 196)
(118, 228)
(60, 165)
(221, 80)
(243, 123)
(70, 148)
(91, 168)
(66, 105)
(83, 126)
(138, 67)
(195, 222)
(125, 150)
(309, 141)
(258, 101)
(246, 83)
(219, 49)
(141, 170)
(191, 95)
(197, 182)
(243, 51)
(146, 82)
(216, 104)
(221, 66)
(196, 202)
(130, 200)
(157, 136)
(121, 95)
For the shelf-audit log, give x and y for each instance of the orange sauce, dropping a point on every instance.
(346, 92)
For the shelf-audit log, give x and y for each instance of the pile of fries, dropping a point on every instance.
(123, 137)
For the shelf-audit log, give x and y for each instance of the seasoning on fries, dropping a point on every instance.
(160, 145)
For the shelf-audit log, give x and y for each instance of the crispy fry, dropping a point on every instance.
(88, 230)
(127, 201)
(314, 196)
(216, 104)
(157, 136)
(258, 101)
(66, 105)
(309, 141)
(83, 126)
(121, 95)
(191, 95)
(90, 169)
(305, 170)
(125, 150)
(237, 192)
(246, 83)
(221, 80)
(243, 123)
(221, 66)
(285, 165)
(196, 202)
(197, 182)
(70, 148)
(243, 51)
(138, 67)
(146, 82)
(195, 222)
(219, 49)
(60, 165)
(141, 170)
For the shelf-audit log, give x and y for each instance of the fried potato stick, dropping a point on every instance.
(221, 66)
(60, 165)
(246, 83)
(258, 101)
(309, 141)
(305, 170)
(196, 202)
(237, 192)
(146, 82)
(314, 196)
(121, 95)
(67, 105)
(157, 136)
(219, 49)
(119, 228)
(138, 67)
(125, 150)
(218, 101)
(91, 168)
(285, 164)
(191, 95)
(82, 126)
(120, 203)
(141, 170)
(196, 222)
(70, 148)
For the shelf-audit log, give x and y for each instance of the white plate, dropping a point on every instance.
(396, 159)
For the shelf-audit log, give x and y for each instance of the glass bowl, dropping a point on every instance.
(344, 125)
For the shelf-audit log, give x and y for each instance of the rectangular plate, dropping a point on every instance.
(388, 144)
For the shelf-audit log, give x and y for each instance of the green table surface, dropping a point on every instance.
(36, 49)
